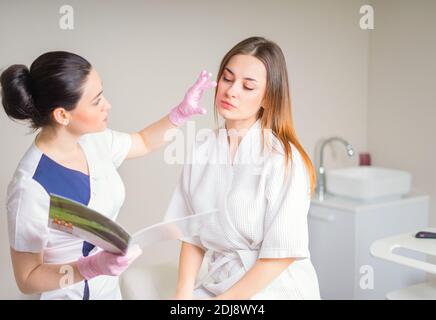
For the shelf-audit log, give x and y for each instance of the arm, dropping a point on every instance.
(34, 276)
(153, 136)
(149, 138)
(257, 278)
(190, 261)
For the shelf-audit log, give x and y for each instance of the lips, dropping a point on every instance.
(227, 105)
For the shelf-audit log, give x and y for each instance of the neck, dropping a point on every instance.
(57, 141)
(240, 127)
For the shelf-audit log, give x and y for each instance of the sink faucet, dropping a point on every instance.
(321, 169)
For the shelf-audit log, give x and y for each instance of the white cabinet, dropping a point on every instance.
(341, 232)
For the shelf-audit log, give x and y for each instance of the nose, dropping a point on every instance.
(106, 105)
(232, 90)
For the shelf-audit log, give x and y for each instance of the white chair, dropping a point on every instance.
(384, 248)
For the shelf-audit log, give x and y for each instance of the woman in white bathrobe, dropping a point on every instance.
(258, 176)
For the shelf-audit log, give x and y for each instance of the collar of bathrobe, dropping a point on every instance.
(250, 144)
(253, 129)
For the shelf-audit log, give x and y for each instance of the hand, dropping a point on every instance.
(184, 291)
(191, 103)
(183, 296)
(106, 263)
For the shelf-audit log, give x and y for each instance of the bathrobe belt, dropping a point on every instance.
(225, 261)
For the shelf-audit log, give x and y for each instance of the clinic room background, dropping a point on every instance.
(373, 87)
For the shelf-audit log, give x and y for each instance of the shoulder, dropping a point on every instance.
(109, 140)
(26, 196)
(23, 186)
(103, 138)
(292, 171)
(24, 183)
(278, 155)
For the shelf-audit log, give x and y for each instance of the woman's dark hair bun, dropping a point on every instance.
(16, 92)
(54, 79)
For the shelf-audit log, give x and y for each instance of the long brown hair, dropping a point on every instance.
(276, 113)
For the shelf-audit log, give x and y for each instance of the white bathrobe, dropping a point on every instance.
(261, 214)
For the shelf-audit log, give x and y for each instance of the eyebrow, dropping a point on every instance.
(97, 95)
(250, 79)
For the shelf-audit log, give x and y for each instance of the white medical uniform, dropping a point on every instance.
(261, 215)
(28, 208)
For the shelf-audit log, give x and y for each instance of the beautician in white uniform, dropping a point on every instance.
(76, 156)
(258, 243)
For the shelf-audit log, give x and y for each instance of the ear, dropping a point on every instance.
(262, 104)
(61, 116)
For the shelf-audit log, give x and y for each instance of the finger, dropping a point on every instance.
(134, 253)
(200, 110)
(198, 92)
(122, 260)
(203, 82)
(210, 84)
(207, 83)
(200, 80)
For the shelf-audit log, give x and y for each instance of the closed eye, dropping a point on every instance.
(245, 87)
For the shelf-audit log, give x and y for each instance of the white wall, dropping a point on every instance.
(402, 95)
(149, 52)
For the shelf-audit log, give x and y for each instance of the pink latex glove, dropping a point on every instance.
(106, 263)
(191, 103)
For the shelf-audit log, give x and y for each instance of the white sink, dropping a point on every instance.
(368, 183)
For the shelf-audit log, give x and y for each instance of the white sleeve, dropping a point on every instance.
(118, 144)
(285, 226)
(180, 206)
(27, 208)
